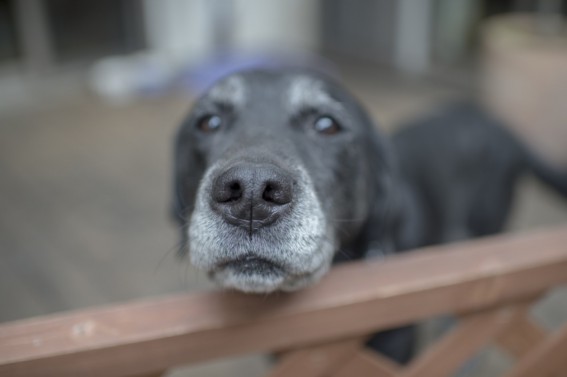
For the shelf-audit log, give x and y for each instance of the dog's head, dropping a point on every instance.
(275, 172)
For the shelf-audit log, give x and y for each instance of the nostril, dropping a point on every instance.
(277, 194)
(227, 190)
(235, 191)
(268, 194)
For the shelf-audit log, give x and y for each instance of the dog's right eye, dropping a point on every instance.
(209, 123)
(326, 125)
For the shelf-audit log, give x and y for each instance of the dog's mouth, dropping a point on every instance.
(250, 273)
(252, 265)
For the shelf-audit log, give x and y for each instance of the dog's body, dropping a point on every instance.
(280, 174)
(461, 166)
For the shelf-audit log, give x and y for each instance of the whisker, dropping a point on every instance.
(165, 255)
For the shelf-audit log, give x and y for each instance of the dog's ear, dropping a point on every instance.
(188, 169)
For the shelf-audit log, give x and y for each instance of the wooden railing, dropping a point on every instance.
(489, 284)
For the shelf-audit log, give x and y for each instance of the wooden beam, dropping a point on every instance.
(153, 374)
(318, 361)
(353, 300)
(447, 355)
(522, 336)
(368, 363)
(546, 359)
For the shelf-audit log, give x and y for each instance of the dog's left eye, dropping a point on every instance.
(326, 125)
(209, 123)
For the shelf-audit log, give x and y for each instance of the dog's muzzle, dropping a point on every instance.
(258, 227)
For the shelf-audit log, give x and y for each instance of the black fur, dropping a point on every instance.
(461, 166)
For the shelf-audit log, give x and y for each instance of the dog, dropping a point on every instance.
(280, 174)
(462, 166)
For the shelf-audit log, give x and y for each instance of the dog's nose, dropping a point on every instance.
(252, 195)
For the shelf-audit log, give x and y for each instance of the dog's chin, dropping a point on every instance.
(248, 281)
(256, 281)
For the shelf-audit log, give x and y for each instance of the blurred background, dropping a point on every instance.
(91, 93)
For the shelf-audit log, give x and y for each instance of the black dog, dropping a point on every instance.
(280, 174)
(461, 166)
(277, 175)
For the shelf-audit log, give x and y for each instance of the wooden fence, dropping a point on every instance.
(488, 284)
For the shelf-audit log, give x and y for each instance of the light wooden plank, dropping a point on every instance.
(446, 356)
(549, 358)
(521, 337)
(153, 374)
(368, 363)
(352, 300)
(316, 361)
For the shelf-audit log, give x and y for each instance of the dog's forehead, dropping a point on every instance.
(305, 91)
(292, 91)
(231, 90)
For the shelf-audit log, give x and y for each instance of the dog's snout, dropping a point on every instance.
(251, 195)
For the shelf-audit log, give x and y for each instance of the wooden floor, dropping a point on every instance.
(84, 196)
